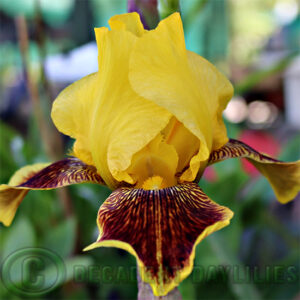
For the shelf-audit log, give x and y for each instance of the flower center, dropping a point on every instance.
(154, 183)
(155, 166)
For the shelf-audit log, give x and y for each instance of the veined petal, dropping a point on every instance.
(284, 177)
(71, 114)
(186, 144)
(218, 91)
(130, 21)
(156, 159)
(161, 228)
(42, 177)
(163, 71)
(123, 122)
(109, 121)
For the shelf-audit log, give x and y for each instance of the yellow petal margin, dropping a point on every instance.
(163, 71)
(42, 177)
(130, 22)
(161, 228)
(284, 177)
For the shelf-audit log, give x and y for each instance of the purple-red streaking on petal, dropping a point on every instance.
(42, 177)
(235, 148)
(284, 177)
(65, 172)
(161, 228)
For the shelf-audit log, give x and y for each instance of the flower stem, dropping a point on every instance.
(147, 10)
(22, 31)
(167, 7)
(145, 291)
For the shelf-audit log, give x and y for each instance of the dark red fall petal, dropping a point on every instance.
(62, 173)
(161, 228)
(42, 177)
(284, 177)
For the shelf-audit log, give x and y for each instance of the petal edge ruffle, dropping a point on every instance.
(42, 177)
(284, 177)
(161, 228)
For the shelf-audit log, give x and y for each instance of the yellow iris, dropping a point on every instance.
(146, 125)
(153, 108)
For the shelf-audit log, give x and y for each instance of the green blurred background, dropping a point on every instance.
(46, 45)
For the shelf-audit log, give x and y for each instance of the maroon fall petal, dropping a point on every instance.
(161, 228)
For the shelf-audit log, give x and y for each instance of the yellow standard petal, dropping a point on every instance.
(71, 114)
(284, 177)
(218, 92)
(131, 22)
(145, 78)
(163, 71)
(123, 122)
(161, 228)
(108, 119)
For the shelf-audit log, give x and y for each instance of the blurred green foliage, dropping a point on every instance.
(262, 236)
(54, 12)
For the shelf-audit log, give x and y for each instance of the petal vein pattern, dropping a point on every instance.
(163, 71)
(122, 122)
(218, 91)
(161, 228)
(71, 114)
(42, 177)
(284, 177)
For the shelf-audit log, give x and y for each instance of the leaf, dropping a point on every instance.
(291, 150)
(7, 163)
(167, 7)
(20, 235)
(17, 238)
(44, 271)
(61, 239)
(226, 256)
(69, 270)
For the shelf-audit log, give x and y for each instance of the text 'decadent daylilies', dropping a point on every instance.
(146, 125)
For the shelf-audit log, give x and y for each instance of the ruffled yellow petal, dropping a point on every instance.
(81, 150)
(144, 78)
(186, 144)
(161, 228)
(131, 22)
(122, 122)
(159, 71)
(218, 91)
(163, 71)
(109, 121)
(71, 114)
(42, 177)
(283, 177)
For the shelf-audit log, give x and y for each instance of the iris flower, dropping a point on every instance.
(146, 125)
